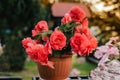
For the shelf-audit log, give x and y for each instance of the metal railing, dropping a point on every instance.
(10, 78)
(70, 78)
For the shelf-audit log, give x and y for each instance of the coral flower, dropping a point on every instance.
(57, 40)
(66, 18)
(79, 42)
(40, 27)
(28, 42)
(77, 14)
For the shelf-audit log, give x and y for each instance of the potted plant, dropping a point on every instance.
(109, 61)
(53, 50)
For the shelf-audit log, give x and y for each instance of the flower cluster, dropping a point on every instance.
(72, 35)
(108, 52)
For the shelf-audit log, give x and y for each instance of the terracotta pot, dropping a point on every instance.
(62, 68)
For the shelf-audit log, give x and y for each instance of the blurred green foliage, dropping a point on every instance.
(107, 20)
(17, 18)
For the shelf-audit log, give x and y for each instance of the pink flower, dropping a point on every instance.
(26, 42)
(92, 44)
(85, 22)
(98, 54)
(82, 29)
(40, 27)
(35, 32)
(103, 60)
(77, 14)
(113, 51)
(108, 52)
(57, 40)
(66, 19)
(37, 53)
(78, 29)
(103, 49)
(48, 47)
(43, 58)
(79, 42)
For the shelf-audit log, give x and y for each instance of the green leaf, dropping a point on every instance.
(57, 53)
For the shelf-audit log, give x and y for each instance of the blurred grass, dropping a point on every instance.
(27, 74)
(31, 69)
(84, 68)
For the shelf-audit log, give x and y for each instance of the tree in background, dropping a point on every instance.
(106, 17)
(17, 18)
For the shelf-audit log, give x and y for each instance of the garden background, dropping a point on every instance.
(18, 17)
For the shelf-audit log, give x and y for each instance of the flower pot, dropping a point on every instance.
(60, 72)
